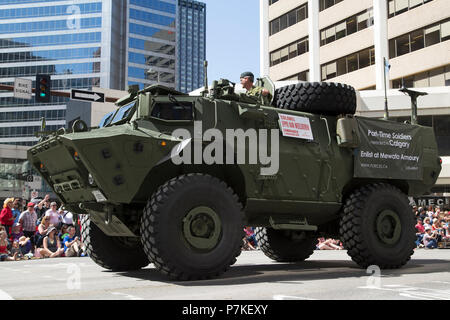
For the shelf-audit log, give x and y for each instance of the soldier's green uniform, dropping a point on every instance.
(257, 92)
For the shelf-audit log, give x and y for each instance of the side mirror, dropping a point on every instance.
(79, 126)
(144, 105)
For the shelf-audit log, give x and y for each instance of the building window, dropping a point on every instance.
(289, 52)
(341, 30)
(432, 36)
(288, 19)
(402, 45)
(350, 63)
(419, 39)
(364, 59)
(272, 2)
(329, 71)
(445, 31)
(302, 76)
(292, 51)
(325, 4)
(275, 58)
(347, 27)
(438, 77)
(396, 7)
(341, 66)
(365, 19)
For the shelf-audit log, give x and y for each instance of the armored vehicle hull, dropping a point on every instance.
(172, 179)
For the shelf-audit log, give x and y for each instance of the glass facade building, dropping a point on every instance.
(93, 43)
(60, 38)
(151, 34)
(191, 45)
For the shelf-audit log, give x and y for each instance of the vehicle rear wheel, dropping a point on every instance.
(377, 227)
(325, 98)
(192, 227)
(285, 245)
(113, 253)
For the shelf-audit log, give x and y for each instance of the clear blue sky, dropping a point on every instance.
(232, 38)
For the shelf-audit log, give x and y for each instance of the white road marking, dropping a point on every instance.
(5, 296)
(282, 297)
(441, 282)
(127, 296)
(414, 292)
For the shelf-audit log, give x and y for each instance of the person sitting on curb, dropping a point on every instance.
(4, 253)
(72, 245)
(52, 245)
(429, 239)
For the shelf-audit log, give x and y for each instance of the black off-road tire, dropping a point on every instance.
(377, 227)
(325, 98)
(285, 246)
(113, 253)
(168, 227)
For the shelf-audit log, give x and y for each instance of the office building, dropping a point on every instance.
(191, 39)
(349, 41)
(81, 44)
(341, 36)
(151, 42)
(63, 40)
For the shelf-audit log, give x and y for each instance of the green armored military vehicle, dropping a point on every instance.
(172, 179)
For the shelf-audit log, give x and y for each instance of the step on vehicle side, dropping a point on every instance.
(334, 174)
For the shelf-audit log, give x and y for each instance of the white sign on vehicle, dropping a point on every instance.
(99, 196)
(23, 88)
(295, 127)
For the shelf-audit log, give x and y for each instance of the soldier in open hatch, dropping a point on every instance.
(247, 79)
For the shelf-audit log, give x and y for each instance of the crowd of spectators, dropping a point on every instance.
(432, 231)
(250, 242)
(432, 228)
(41, 230)
(38, 229)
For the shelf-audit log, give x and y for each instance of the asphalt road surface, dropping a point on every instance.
(325, 275)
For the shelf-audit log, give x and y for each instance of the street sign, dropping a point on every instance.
(23, 88)
(87, 96)
(33, 182)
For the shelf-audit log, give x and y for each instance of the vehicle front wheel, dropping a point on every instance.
(192, 227)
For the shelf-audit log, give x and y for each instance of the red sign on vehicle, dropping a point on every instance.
(296, 127)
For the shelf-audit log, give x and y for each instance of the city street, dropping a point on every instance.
(326, 275)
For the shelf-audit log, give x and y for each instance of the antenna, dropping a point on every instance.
(205, 64)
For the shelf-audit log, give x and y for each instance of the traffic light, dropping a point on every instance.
(43, 87)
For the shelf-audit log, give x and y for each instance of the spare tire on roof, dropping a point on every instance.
(325, 98)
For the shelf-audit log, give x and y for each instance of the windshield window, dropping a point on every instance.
(123, 112)
(106, 119)
(171, 111)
